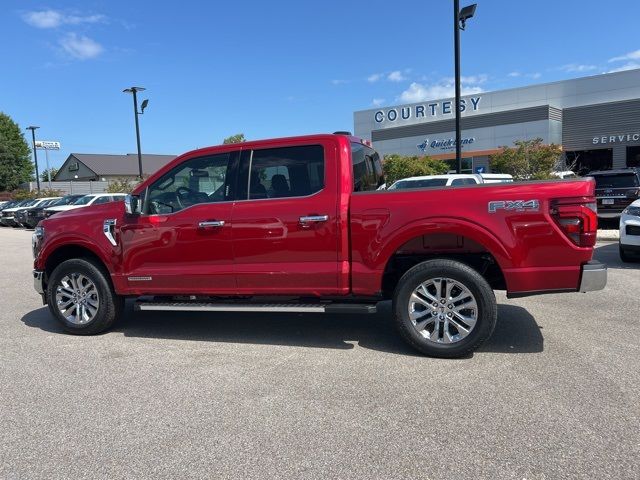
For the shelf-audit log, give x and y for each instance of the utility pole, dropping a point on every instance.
(35, 153)
(134, 91)
(459, 22)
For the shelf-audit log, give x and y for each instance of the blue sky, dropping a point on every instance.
(278, 68)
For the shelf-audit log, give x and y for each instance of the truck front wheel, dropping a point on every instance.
(444, 308)
(81, 297)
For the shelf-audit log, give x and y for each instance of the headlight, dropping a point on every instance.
(36, 240)
(632, 211)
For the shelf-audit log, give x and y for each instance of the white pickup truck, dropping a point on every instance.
(451, 179)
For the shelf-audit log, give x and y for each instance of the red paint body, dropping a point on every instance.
(263, 249)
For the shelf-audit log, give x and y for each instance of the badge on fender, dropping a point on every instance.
(514, 205)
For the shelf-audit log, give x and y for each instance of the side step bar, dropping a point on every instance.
(256, 307)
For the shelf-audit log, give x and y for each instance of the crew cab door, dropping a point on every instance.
(284, 231)
(181, 243)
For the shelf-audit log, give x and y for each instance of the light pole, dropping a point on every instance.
(460, 18)
(135, 91)
(35, 153)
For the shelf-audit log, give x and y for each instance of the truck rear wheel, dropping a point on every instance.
(81, 297)
(444, 308)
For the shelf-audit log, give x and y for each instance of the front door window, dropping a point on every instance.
(199, 180)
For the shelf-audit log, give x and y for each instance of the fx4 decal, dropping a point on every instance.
(514, 205)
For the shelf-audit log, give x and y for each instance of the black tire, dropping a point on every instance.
(110, 306)
(467, 277)
(626, 257)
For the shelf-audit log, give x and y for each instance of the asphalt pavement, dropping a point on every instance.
(553, 394)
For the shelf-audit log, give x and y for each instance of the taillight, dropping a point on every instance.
(577, 218)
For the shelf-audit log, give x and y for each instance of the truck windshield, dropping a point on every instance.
(625, 180)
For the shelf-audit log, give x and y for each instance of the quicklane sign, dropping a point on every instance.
(427, 110)
(444, 143)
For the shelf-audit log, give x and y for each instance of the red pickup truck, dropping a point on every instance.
(298, 225)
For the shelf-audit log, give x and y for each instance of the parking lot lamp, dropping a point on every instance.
(460, 18)
(35, 153)
(134, 91)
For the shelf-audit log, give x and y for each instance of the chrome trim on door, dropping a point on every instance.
(211, 223)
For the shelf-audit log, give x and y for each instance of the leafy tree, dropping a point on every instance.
(15, 160)
(44, 177)
(397, 167)
(22, 194)
(237, 138)
(528, 160)
(121, 185)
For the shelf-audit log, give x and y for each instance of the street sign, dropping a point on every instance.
(47, 145)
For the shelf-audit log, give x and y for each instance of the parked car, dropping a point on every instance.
(35, 214)
(495, 177)
(630, 233)
(565, 175)
(8, 214)
(450, 180)
(20, 215)
(278, 226)
(616, 190)
(85, 201)
(425, 181)
(9, 204)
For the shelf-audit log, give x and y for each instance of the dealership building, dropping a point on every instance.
(595, 119)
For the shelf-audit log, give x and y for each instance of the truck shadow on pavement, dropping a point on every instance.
(516, 330)
(608, 253)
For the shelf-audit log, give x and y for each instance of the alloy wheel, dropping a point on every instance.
(77, 298)
(443, 310)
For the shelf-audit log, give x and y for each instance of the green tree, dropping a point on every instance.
(44, 177)
(121, 185)
(397, 167)
(237, 138)
(15, 160)
(527, 160)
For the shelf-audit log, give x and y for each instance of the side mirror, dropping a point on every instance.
(132, 204)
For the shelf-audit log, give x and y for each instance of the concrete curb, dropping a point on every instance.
(608, 235)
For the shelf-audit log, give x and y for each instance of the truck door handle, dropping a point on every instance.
(305, 221)
(211, 223)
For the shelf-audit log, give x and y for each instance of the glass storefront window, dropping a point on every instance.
(467, 165)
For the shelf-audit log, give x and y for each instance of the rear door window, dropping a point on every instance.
(285, 172)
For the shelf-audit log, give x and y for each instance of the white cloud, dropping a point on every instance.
(374, 77)
(418, 92)
(338, 82)
(577, 68)
(396, 76)
(535, 75)
(626, 66)
(473, 79)
(80, 47)
(514, 74)
(54, 19)
(635, 55)
(376, 102)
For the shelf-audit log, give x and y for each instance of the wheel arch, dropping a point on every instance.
(457, 239)
(68, 251)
